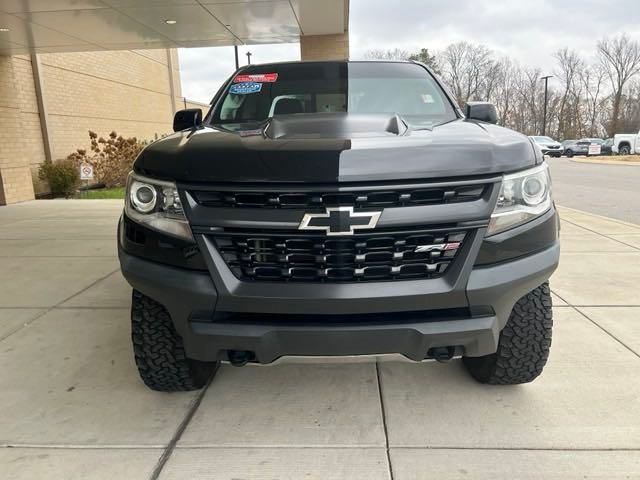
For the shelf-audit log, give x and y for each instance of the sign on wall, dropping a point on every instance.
(86, 171)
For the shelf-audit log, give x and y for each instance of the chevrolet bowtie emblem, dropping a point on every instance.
(339, 221)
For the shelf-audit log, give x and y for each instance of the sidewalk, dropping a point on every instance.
(72, 406)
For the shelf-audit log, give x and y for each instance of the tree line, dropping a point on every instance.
(588, 97)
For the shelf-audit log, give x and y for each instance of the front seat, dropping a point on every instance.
(288, 106)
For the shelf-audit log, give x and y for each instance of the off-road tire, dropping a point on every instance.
(159, 351)
(625, 150)
(524, 343)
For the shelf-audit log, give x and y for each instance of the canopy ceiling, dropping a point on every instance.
(48, 26)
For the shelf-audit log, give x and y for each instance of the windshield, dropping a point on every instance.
(264, 91)
(544, 140)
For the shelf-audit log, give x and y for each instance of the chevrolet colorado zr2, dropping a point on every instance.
(339, 208)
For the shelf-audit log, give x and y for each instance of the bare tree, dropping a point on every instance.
(467, 69)
(596, 97)
(569, 67)
(392, 54)
(530, 91)
(620, 57)
(592, 79)
(630, 108)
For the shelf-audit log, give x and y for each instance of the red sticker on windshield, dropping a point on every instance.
(257, 77)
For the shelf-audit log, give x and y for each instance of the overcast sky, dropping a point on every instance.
(528, 31)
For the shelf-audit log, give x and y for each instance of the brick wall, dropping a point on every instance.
(15, 175)
(193, 104)
(125, 91)
(325, 47)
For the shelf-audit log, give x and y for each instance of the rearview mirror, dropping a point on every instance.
(481, 111)
(189, 118)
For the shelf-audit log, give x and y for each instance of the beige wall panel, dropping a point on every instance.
(24, 80)
(125, 91)
(157, 55)
(325, 47)
(124, 67)
(15, 174)
(71, 133)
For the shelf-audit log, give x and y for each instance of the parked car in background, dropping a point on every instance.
(595, 146)
(606, 147)
(575, 147)
(626, 143)
(548, 146)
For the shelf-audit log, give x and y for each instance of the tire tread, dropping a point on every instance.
(159, 352)
(525, 342)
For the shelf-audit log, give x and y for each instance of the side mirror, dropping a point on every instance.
(189, 118)
(481, 111)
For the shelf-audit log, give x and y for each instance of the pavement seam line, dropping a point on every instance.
(617, 305)
(49, 309)
(607, 332)
(603, 217)
(87, 307)
(563, 299)
(79, 237)
(171, 446)
(276, 446)
(74, 446)
(517, 449)
(384, 419)
(56, 256)
(602, 235)
(568, 304)
(30, 446)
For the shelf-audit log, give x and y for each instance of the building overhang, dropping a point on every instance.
(51, 26)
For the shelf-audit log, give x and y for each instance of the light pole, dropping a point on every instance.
(235, 51)
(249, 58)
(546, 96)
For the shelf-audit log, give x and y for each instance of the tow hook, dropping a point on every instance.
(441, 354)
(239, 358)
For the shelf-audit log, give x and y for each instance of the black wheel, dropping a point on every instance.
(524, 343)
(625, 150)
(159, 352)
(569, 153)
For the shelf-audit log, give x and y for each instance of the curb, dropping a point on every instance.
(606, 162)
(597, 215)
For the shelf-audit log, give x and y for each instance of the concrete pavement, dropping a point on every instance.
(72, 406)
(610, 190)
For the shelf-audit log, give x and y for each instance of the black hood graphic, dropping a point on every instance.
(336, 148)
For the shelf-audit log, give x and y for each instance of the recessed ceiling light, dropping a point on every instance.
(4, 29)
(170, 22)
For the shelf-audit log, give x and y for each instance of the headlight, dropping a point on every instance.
(156, 204)
(523, 197)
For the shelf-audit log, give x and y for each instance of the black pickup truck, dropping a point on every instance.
(339, 208)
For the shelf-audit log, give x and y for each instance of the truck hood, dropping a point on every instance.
(342, 149)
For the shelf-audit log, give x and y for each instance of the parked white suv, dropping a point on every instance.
(626, 143)
(548, 146)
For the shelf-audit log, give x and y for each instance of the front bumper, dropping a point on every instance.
(552, 151)
(214, 312)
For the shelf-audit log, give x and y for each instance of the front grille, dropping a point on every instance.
(361, 258)
(382, 197)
